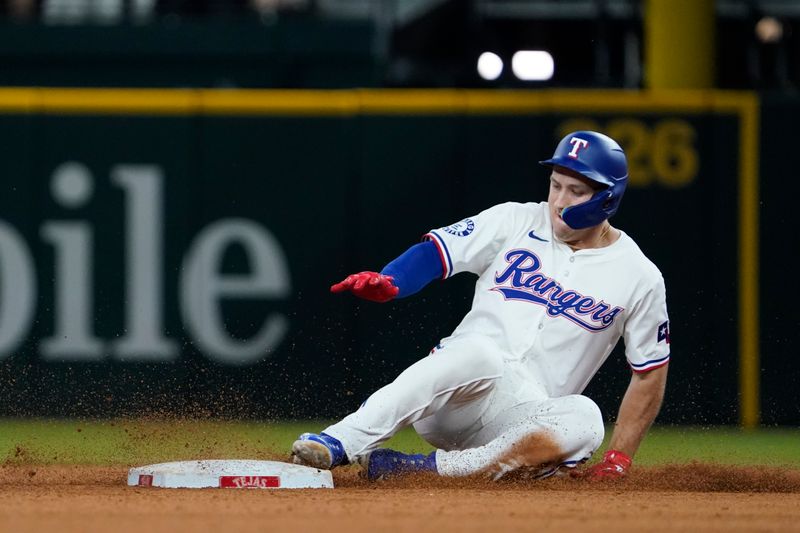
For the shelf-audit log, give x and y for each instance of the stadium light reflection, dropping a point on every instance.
(490, 66)
(533, 65)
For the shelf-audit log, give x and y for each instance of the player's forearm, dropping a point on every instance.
(640, 406)
(415, 268)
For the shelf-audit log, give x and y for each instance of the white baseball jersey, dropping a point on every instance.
(557, 312)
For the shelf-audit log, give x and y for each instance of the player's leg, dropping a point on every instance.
(458, 427)
(541, 436)
(461, 375)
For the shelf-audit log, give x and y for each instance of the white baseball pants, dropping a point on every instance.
(484, 414)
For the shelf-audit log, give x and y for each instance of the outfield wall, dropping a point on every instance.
(172, 250)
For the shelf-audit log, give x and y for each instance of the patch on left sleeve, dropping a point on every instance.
(663, 332)
(462, 228)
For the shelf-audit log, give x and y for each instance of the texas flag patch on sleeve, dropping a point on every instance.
(663, 332)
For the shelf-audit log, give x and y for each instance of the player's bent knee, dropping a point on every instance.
(586, 423)
(593, 420)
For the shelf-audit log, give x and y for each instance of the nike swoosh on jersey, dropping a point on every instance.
(532, 235)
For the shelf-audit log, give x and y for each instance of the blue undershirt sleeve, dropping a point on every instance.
(418, 266)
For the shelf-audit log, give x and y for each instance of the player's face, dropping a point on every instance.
(567, 188)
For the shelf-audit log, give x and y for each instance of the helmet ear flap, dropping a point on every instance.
(609, 201)
(590, 212)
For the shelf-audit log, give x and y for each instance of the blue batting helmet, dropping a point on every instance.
(599, 158)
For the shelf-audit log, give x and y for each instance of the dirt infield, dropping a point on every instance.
(682, 498)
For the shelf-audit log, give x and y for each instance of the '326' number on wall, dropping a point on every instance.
(662, 152)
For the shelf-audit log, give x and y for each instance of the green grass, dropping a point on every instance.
(769, 447)
(129, 442)
(149, 441)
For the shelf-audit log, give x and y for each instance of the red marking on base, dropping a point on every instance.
(145, 480)
(249, 482)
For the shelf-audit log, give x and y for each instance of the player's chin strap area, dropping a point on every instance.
(589, 213)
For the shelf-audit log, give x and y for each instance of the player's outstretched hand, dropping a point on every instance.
(615, 465)
(368, 285)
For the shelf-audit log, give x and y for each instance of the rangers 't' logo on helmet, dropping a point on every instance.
(577, 145)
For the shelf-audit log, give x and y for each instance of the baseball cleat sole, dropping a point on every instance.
(311, 453)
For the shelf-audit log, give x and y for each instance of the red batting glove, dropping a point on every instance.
(368, 285)
(615, 465)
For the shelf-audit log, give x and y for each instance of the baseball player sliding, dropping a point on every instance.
(557, 287)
